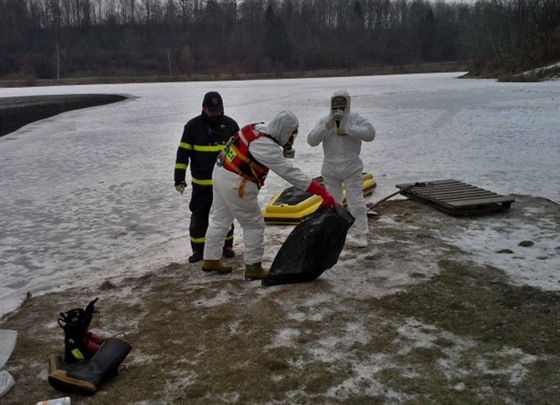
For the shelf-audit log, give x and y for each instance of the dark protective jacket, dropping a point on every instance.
(200, 144)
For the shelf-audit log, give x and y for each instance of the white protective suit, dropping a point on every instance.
(229, 205)
(342, 164)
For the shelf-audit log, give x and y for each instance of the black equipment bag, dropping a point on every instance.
(312, 247)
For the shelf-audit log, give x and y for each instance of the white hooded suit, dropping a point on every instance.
(227, 202)
(342, 164)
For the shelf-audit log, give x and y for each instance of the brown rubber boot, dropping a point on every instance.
(255, 272)
(216, 265)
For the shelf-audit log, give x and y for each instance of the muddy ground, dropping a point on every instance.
(414, 319)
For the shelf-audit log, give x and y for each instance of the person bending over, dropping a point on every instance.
(240, 172)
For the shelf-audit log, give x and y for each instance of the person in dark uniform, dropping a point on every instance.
(203, 138)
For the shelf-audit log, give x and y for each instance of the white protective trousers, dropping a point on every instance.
(333, 181)
(227, 205)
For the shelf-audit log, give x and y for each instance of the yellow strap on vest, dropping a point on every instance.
(245, 159)
(242, 187)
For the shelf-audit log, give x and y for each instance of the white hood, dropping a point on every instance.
(281, 126)
(341, 93)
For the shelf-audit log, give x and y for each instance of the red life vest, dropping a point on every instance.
(237, 158)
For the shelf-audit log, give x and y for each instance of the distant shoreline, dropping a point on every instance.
(16, 112)
(435, 67)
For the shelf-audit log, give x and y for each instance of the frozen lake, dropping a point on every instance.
(89, 193)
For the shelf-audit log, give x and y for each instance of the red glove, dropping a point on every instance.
(316, 188)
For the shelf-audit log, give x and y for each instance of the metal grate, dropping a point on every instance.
(455, 197)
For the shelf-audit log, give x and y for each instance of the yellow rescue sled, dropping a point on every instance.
(290, 206)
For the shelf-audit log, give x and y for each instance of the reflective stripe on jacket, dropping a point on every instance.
(200, 144)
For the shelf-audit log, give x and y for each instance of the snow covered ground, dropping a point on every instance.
(89, 193)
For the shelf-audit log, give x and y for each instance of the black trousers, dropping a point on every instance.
(201, 202)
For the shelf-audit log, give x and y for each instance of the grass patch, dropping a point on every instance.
(476, 302)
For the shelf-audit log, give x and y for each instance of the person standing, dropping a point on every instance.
(240, 172)
(204, 137)
(342, 132)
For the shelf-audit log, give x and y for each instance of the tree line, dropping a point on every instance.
(77, 38)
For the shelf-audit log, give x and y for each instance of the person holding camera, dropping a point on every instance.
(342, 132)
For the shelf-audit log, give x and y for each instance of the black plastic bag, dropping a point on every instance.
(311, 248)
